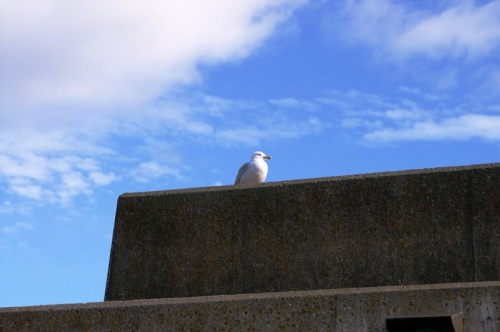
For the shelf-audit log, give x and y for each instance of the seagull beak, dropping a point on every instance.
(267, 157)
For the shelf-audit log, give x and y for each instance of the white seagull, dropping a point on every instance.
(255, 171)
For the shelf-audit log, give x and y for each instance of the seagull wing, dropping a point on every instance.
(242, 171)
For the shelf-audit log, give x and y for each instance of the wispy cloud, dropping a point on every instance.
(413, 116)
(148, 171)
(57, 168)
(426, 95)
(8, 207)
(465, 29)
(14, 228)
(57, 174)
(294, 103)
(445, 47)
(402, 30)
(49, 175)
(457, 128)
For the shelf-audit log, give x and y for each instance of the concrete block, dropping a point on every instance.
(358, 309)
(485, 214)
(399, 228)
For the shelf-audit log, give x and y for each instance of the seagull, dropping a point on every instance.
(255, 171)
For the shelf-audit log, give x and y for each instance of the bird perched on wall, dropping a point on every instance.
(255, 171)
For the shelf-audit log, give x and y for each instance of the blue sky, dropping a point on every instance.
(99, 98)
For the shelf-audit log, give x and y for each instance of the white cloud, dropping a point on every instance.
(103, 179)
(28, 165)
(103, 55)
(29, 190)
(91, 64)
(404, 114)
(402, 29)
(6, 207)
(423, 118)
(465, 29)
(77, 78)
(4, 245)
(58, 168)
(9, 229)
(251, 136)
(24, 225)
(148, 171)
(264, 124)
(373, 22)
(214, 120)
(54, 177)
(16, 227)
(294, 103)
(458, 128)
(418, 92)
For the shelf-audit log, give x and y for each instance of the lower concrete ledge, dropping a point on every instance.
(349, 309)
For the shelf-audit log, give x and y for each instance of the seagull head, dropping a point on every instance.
(260, 155)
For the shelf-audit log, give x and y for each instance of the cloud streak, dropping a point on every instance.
(424, 117)
(463, 30)
(402, 30)
(12, 229)
(459, 128)
(56, 179)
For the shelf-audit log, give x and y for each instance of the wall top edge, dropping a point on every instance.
(421, 171)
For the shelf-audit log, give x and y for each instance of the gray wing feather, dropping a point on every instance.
(242, 171)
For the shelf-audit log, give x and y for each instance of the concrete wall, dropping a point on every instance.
(413, 227)
(347, 310)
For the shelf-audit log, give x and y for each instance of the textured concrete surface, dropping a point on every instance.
(362, 309)
(412, 227)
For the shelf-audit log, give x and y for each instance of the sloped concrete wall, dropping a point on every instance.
(360, 310)
(413, 227)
